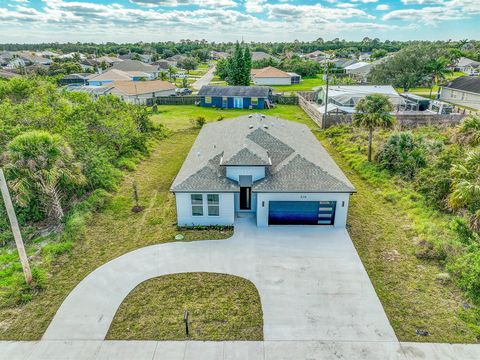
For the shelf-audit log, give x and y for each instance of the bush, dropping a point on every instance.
(467, 272)
(402, 154)
(199, 121)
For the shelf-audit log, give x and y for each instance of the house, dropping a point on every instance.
(361, 70)
(217, 55)
(238, 97)
(76, 79)
(162, 64)
(110, 61)
(32, 59)
(315, 54)
(346, 97)
(341, 63)
(272, 169)
(260, 55)
(142, 92)
(115, 75)
(146, 58)
(464, 90)
(135, 65)
(88, 64)
(94, 91)
(273, 76)
(467, 66)
(15, 63)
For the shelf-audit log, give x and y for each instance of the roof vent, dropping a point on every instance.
(265, 126)
(263, 116)
(198, 154)
(250, 116)
(250, 126)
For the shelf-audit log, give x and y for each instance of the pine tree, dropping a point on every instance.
(247, 63)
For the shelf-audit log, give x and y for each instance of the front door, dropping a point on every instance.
(245, 198)
(238, 103)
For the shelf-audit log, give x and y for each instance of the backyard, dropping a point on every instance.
(380, 225)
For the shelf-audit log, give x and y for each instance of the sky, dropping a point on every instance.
(99, 21)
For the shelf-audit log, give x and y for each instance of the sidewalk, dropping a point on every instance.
(238, 350)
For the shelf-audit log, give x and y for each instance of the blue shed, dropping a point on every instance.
(235, 97)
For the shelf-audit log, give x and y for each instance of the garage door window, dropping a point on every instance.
(213, 205)
(197, 204)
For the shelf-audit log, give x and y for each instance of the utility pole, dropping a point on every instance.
(324, 123)
(15, 228)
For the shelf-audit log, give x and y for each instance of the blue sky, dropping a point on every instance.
(229, 20)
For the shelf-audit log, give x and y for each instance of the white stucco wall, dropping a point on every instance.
(341, 210)
(257, 172)
(184, 210)
(272, 81)
(460, 97)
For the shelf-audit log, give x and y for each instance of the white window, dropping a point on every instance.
(197, 204)
(213, 205)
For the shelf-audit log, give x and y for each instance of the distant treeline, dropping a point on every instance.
(170, 48)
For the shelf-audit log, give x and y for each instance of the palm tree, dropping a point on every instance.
(468, 132)
(41, 166)
(163, 75)
(373, 111)
(466, 187)
(171, 72)
(437, 69)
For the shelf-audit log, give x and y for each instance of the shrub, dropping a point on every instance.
(402, 154)
(468, 132)
(467, 272)
(199, 121)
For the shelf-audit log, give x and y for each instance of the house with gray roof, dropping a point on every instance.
(235, 97)
(464, 91)
(262, 166)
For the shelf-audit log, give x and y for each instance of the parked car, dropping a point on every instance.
(183, 91)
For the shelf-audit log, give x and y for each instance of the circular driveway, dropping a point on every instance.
(311, 282)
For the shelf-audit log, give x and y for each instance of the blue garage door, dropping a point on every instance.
(301, 213)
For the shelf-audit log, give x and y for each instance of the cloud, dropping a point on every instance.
(383, 7)
(176, 3)
(254, 6)
(427, 15)
(301, 13)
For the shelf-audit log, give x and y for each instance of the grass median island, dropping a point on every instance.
(221, 308)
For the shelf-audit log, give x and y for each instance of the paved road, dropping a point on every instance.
(311, 282)
(205, 79)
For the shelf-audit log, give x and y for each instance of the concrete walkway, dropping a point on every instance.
(311, 282)
(237, 350)
(205, 79)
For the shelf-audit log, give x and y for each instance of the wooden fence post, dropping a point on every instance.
(15, 228)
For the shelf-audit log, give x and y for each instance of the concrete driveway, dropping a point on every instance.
(311, 281)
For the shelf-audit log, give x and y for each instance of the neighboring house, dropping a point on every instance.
(116, 75)
(217, 55)
(346, 97)
(342, 63)
(162, 64)
(88, 64)
(76, 79)
(15, 63)
(110, 61)
(270, 168)
(32, 59)
(364, 56)
(5, 57)
(260, 55)
(315, 54)
(464, 90)
(238, 97)
(361, 70)
(4, 74)
(273, 76)
(467, 66)
(143, 57)
(142, 92)
(135, 65)
(47, 54)
(94, 91)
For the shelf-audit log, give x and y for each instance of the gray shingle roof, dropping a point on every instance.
(299, 163)
(248, 91)
(465, 83)
(134, 65)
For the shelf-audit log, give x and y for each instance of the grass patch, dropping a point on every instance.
(180, 117)
(113, 231)
(221, 308)
(387, 221)
(306, 84)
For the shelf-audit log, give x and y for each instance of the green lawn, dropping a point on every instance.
(306, 84)
(180, 117)
(220, 308)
